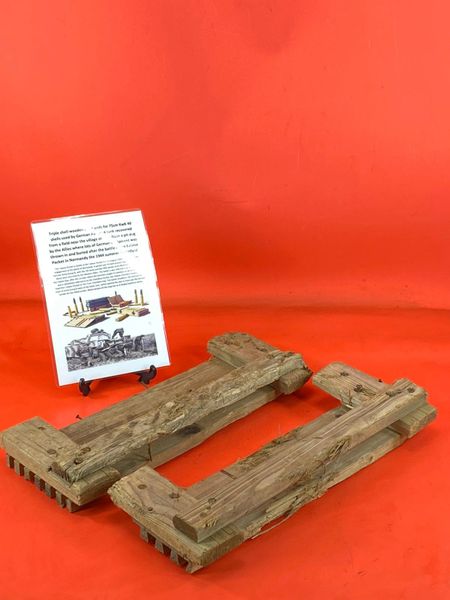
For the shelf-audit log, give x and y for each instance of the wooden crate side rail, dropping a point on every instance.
(291, 466)
(238, 349)
(353, 388)
(177, 412)
(162, 437)
(154, 512)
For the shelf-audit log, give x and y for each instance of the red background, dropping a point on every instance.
(292, 163)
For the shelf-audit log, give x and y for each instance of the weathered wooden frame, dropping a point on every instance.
(78, 463)
(198, 524)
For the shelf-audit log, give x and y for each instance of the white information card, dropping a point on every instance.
(102, 297)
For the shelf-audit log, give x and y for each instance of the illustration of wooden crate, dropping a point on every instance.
(78, 463)
(85, 320)
(198, 524)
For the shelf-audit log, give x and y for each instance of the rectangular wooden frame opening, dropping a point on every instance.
(196, 525)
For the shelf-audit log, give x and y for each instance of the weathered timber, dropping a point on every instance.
(35, 443)
(168, 446)
(293, 465)
(238, 349)
(80, 461)
(353, 388)
(154, 501)
(284, 443)
(135, 493)
(177, 412)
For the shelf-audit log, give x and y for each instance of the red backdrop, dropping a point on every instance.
(283, 153)
(296, 151)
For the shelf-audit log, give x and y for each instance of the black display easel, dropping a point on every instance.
(143, 377)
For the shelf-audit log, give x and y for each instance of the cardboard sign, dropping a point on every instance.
(101, 293)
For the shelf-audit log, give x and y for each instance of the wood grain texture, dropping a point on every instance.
(158, 523)
(289, 468)
(353, 387)
(34, 446)
(161, 532)
(270, 450)
(94, 426)
(152, 427)
(178, 411)
(238, 349)
(153, 501)
(344, 466)
(167, 447)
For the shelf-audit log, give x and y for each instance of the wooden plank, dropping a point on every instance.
(18, 468)
(165, 448)
(168, 446)
(342, 468)
(283, 505)
(174, 402)
(94, 426)
(349, 385)
(49, 490)
(353, 387)
(289, 468)
(335, 472)
(90, 487)
(72, 506)
(177, 412)
(60, 499)
(238, 349)
(154, 501)
(36, 444)
(280, 444)
(413, 422)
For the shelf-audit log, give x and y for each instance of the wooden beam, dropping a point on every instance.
(167, 447)
(154, 501)
(150, 427)
(157, 528)
(35, 445)
(353, 388)
(289, 468)
(178, 411)
(238, 349)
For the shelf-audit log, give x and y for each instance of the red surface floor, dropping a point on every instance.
(383, 533)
